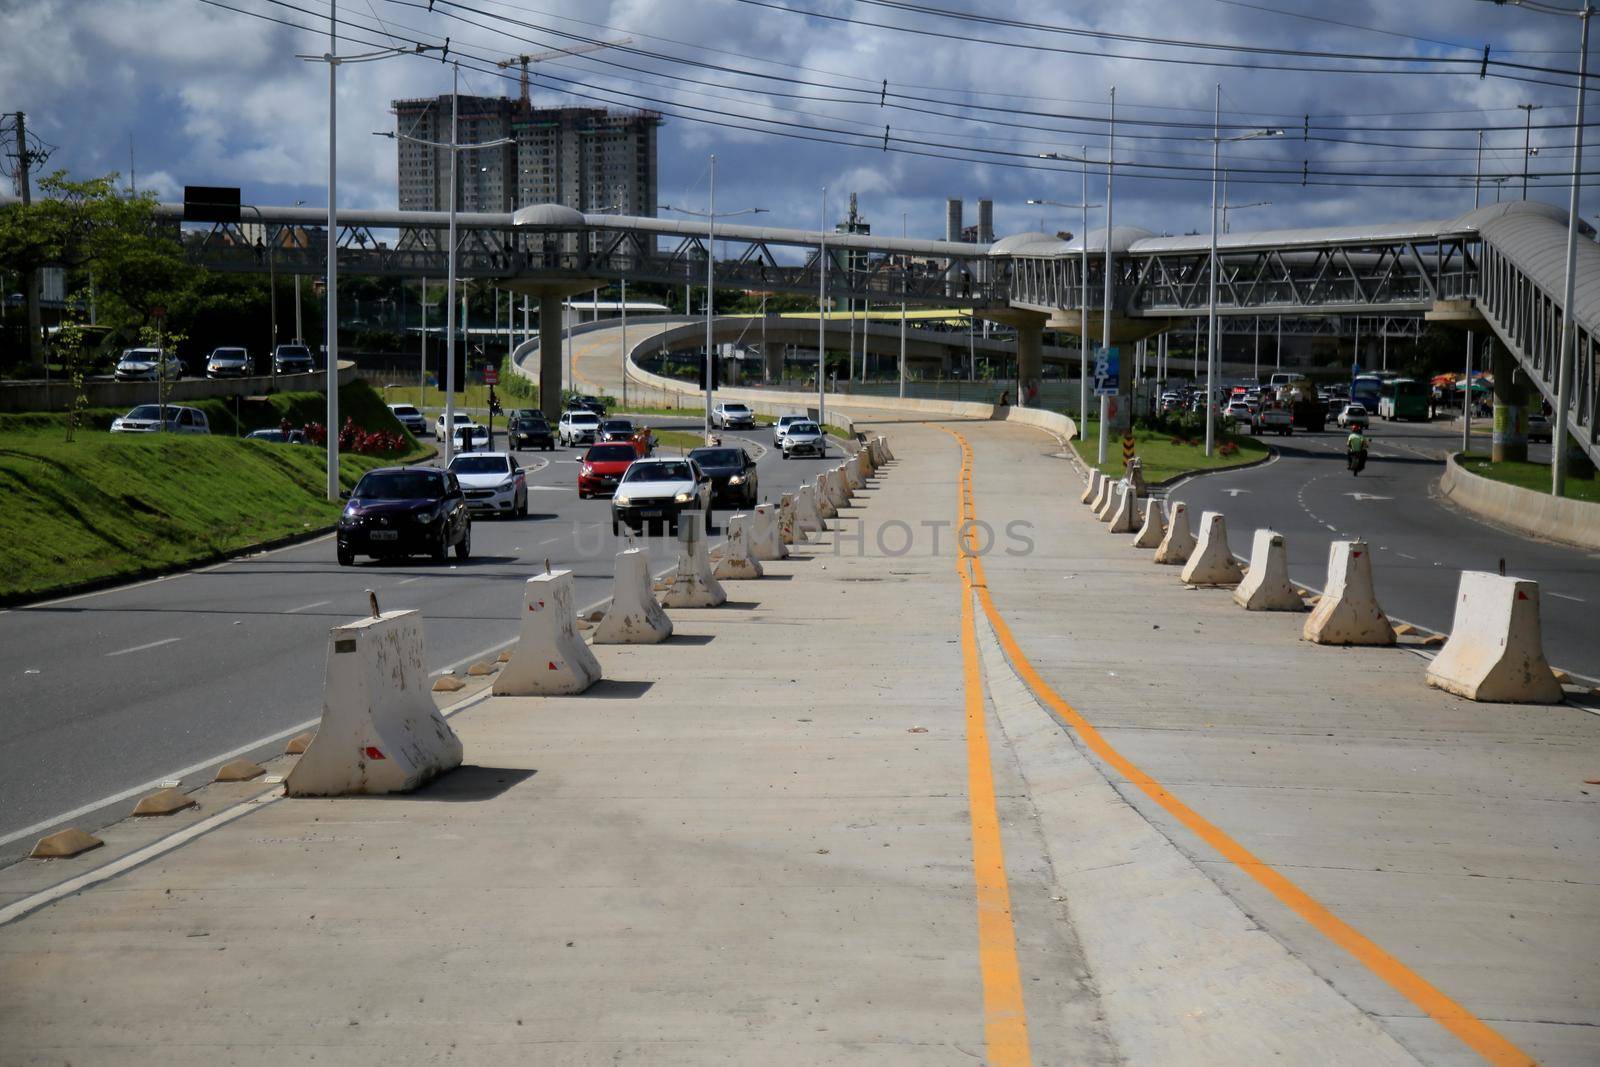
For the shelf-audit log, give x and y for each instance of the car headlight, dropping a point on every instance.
(426, 514)
(587, 469)
(350, 511)
(621, 501)
(737, 479)
(683, 498)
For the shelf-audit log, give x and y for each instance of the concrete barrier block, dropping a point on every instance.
(300, 742)
(380, 731)
(1266, 585)
(1348, 612)
(1179, 542)
(1108, 506)
(808, 520)
(764, 542)
(1125, 516)
(64, 844)
(693, 585)
(1154, 529)
(786, 529)
(448, 683)
(1091, 489)
(841, 484)
(1212, 562)
(549, 658)
(635, 618)
(1102, 495)
(163, 802)
(1496, 647)
(818, 489)
(239, 770)
(852, 474)
(737, 563)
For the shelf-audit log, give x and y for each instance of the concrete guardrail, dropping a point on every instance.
(1574, 522)
(57, 395)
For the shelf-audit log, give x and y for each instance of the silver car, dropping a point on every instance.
(147, 418)
(228, 363)
(803, 439)
(147, 365)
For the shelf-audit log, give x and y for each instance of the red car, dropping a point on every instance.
(603, 466)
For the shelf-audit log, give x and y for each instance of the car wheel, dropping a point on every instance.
(582, 495)
(616, 527)
(441, 551)
(346, 557)
(464, 546)
(522, 512)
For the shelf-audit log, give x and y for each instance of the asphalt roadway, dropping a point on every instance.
(1420, 542)
(113, 691)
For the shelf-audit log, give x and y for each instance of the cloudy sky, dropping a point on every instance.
(208, 93)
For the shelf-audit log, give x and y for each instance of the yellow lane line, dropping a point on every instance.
(1005, 1017)
(1467, 1027)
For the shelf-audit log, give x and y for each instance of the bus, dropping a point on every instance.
(1366, 389)
(1404, 398)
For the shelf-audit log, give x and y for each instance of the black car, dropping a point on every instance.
(732, 473)
(587, 402)
(402, 511)
(531, 430)
(292, 359)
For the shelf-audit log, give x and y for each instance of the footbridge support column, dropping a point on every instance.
(1510, 442)
(1030, 349)
(550, 337)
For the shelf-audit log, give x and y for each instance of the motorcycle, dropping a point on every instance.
(1356, 460)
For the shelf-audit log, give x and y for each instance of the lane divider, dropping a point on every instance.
(1005, 1017)
(1447, 1012)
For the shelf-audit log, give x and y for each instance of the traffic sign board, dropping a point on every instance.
(491, 376)
(1106, 371)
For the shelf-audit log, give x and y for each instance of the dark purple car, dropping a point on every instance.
(402, 511)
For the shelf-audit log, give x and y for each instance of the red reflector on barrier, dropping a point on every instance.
(373, 753)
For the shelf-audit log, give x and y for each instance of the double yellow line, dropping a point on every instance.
(1005, 1020)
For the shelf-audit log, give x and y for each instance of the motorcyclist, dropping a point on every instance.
(1355, 448)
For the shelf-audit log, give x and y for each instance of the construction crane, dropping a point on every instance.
(537, 57)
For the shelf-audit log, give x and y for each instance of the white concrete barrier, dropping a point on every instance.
(1496, 646)
(788, 533)
(1266, 585)
(842, 482)
(1179, 542)
(1212, 562)
(833, 485)
(863, 465)
(737, 562)
(380, 731)
(1125, 517)
(823, 498)
(634, 618)
(765, 542)
(693, 585)
(1348, 613)
(852, 474)
(1154, 528)
(888, 453)
(549, 658)
(1091, 491)
(1102, 494)
(808, 518)
(1108, 506)
(875, 450)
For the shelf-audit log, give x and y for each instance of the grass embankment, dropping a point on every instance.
(111, 506)
(1534, 476)
(1164, 460)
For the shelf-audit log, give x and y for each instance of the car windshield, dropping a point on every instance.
(480, 465)
(718, 457)
(736, 409)
(405, 409)
(587, 418)
(228, 353)
(617, 426)
(609, 453)
(398, 485)
(788, 420)
(660, 472)
(149, 411)
(268, 435)
(294, 353)
(803, 427)
(142, 355)
(459, 419)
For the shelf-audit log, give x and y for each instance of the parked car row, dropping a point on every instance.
(227, 361)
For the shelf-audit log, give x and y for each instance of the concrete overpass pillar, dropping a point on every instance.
(551, 329)
(1030, 361)
(1510, 441)
(774, 357)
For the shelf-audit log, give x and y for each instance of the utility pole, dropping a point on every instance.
(822, 321)
(1527, 133)
(1105, 326)
(904, 232)
(30, 277)
(422, 374)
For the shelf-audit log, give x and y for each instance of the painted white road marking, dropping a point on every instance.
(1368, 496)
(1235, 492)
(408, 581)
(308, 607)
(1564, 596)
(141, 648)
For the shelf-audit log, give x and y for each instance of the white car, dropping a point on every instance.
(409, 417)
(470, 437)
(784, 422)
(578, 428)
(492, 482)
(803, 438)
(733, 416)
(661, 490)
(146, 418)
(1352, 415)
(1239, 411)
(228, 363)
(461, 419)
(147, 365)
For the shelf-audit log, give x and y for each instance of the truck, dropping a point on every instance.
(1305, 410)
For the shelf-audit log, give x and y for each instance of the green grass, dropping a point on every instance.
(1162, 459)
(1535, 476)
(114, 506)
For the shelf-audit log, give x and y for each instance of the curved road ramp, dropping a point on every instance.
(953, 783)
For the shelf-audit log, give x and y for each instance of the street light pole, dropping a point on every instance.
(1105, 326)
(1211, 271)
(904, 232)
(1558, 433)
(822, 322)
(332, 346)
(711, 260)
(1083, 281)
(1527, 133)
